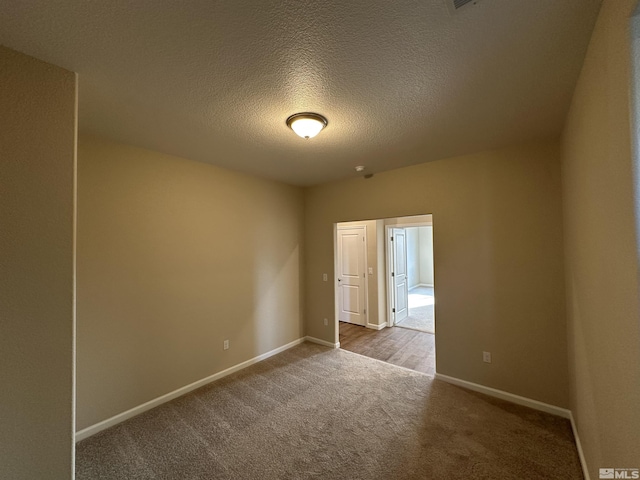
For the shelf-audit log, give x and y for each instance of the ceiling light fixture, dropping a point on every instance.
(307, 124)
(360, 168)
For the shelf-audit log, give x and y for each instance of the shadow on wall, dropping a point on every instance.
(174, 257)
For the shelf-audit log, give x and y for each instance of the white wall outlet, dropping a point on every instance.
(370, 270)
(225, 345)
(486, 357)
(324, 277)
(326, 322)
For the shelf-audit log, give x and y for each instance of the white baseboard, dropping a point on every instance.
(583, 460)
(121, 417)
(375, 326)
(510, 397)
(527, 402)
(418, 285)
(322, 342)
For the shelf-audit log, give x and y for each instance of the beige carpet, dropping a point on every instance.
(316, 413)
(421, 310)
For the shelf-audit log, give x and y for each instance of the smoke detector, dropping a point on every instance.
(456, 5)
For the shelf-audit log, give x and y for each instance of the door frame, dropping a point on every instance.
(390, 264)
(336, 287)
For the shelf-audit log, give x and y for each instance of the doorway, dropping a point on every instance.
(410, 274)
(384, 304)
(351, 267)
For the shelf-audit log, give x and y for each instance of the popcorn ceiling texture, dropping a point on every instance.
(400, 82)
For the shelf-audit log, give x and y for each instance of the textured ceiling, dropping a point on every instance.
(401, 82)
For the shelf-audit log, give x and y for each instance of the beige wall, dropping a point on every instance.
(420, 256)
(601, 250)
(413, 256)
(174, 257)
(497, 254)
(426, 255)
(409, 220)
(37, 191)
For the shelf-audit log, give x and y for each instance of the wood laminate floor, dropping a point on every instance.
(400, 346)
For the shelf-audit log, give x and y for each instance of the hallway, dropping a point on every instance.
(404, 347)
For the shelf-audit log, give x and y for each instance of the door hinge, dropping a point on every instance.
(392, 239)
(365, 311)
(393, 310)
(393, 274)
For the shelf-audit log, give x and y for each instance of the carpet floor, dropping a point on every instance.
(421, 310)
(318, 413)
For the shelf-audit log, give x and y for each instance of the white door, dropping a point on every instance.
(351, 275)
(399, 275)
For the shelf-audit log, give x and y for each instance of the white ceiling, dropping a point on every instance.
(400, 81)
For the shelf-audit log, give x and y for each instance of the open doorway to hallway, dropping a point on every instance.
(384, 290)
(421, 297)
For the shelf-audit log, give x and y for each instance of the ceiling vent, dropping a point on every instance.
(455, 5)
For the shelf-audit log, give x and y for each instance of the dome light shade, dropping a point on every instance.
(306, 125)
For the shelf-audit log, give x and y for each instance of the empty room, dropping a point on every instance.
(198, 198)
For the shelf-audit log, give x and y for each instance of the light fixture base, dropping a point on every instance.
(307, 124)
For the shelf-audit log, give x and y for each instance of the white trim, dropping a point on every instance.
(366, 277)
(510, 397)
(121, 417)
(418, 285)
(583, 460)
(336, 293)
(410, 225)
(391, 316)
(74, 315)
(375, 326)
(322, 342)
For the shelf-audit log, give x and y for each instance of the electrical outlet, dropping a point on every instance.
(486, 357)
(226, 345)
(326, 322)
(324, 277)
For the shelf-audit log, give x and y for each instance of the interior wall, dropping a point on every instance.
(420, 256)
(37, 187)
(498, 257)
(601, 249)
(413, 257)
(426, 255)
(174, 257)
(408, 219)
